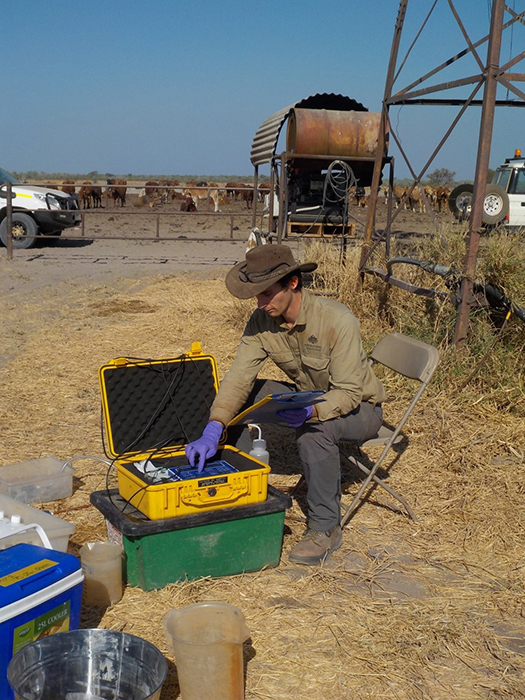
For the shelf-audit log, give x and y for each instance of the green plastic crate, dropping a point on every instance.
(213, 543)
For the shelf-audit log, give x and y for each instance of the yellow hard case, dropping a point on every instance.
(145, 404)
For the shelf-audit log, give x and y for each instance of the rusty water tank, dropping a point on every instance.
(324, 132)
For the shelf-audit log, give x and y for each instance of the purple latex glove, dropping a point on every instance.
(206, 446)
(295, 417)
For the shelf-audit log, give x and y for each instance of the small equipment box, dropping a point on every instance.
(152, 409)
(215, 543)
(40, 594)
(38, 480)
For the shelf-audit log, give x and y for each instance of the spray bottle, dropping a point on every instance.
(259, 450)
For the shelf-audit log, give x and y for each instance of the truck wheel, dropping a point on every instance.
(25, 231)
(460, 200)
(495, 205)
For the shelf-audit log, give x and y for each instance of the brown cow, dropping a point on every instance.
(196, 194)
(359, 195)
(96, 194)
(247, 196)
(85, 194)
(117, 192)
(399, 193)
(146, 200)
(415, 200)
(175, 193)
(430, 193)
(167, 191)
(362, 195)
(68, 186)
(231, 190)
(442, 194)
(152, 188)
(263, 190)
(188, 204)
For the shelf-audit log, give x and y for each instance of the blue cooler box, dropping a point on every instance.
(40, 594)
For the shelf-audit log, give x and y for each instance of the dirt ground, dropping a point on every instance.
(428, 609)
(134, 242)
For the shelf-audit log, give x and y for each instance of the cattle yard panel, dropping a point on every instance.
(156, 216)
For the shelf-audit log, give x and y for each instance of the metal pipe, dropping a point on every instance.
(280, 220)
(270, 198)
(387, 235)
(482, 164)
(254, 203)
(444, 65)
(147, 238)
(9, 220)
(313, 156)
(381, 143)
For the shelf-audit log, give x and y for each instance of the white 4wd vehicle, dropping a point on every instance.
(504, 197)
(36, 210)
(511, 178)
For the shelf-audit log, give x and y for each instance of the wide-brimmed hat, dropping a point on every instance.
(264, 265)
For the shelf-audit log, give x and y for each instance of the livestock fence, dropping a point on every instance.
(156, 213)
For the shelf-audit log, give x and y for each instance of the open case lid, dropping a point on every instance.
(157, 404)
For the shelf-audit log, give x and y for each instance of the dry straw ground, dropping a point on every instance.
(427, 609)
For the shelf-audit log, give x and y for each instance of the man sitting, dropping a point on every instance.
(317, 343)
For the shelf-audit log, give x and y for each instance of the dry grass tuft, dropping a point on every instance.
(432, 609)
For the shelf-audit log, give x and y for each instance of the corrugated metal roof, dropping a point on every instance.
(265, 140)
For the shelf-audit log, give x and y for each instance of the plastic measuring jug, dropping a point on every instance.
(102, 567)
(206, 640)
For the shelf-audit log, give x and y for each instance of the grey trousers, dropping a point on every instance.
(318, 446)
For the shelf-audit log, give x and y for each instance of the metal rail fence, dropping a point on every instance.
(85, 231)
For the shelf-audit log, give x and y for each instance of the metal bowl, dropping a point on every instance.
(91, 664)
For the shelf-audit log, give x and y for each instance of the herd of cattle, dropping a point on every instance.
(413, 198)
(90, 195)
(192, 194)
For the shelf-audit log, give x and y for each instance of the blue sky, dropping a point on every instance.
(171, 87)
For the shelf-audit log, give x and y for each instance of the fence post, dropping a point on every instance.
(9, 220)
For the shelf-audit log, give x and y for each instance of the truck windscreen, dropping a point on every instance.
(7, 177)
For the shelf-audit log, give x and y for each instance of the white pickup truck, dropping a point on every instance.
(36, 211)
(504, 201)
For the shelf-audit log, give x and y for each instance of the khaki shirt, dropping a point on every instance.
(323, 350)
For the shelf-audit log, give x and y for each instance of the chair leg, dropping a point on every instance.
(351, 508)
(298, 485)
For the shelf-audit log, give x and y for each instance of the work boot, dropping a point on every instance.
(315, 546)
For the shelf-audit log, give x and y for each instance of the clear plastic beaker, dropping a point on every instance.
(102, 567)
(207, 642)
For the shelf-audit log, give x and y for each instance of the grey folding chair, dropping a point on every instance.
(415, 360)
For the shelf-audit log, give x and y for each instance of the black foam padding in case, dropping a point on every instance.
(158, 404)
